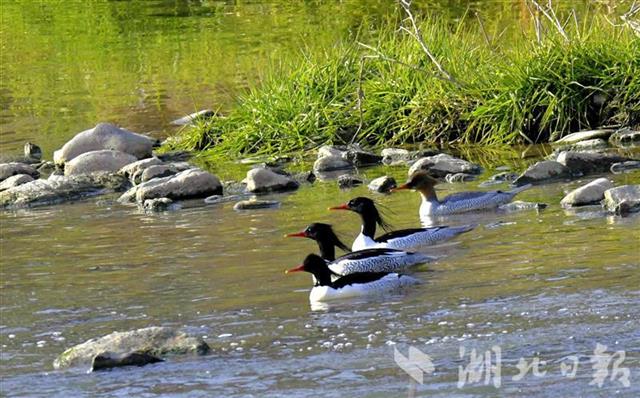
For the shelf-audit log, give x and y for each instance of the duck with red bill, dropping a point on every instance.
(405, 239)
(326, 288)
(368, 260)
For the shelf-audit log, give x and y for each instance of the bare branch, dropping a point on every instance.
(551, 16)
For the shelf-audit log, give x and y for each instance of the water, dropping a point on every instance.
(546, 284)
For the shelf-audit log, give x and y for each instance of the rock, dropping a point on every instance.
(395, 156)
(158, 204)
(58, 189)
(499, 178)
(520, 205)
(14, 181)
(348, 181)
(175, 156)
(360, 158)
(625, 137)
(138, 167)
(442, 164)
(189, 119)
(332, 150)
(156, 341)
(590, 193)
(256, 204)
(158, 171)
(32, 151)
(382, 184)
(581, 163)
(10, 169)
(543, 171)
(459, 177)
(94, 161)
(105, 136)
(110, 360)
(597, 143)
(305, 176)
(329, 163)
(623, 200)
(187, 184)
(262, 180)
(46, 168)
(621, 167)
(584, 136)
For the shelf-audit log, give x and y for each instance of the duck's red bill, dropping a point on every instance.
(341, 207)
(296, 235)
(400, 187)
(299, 268)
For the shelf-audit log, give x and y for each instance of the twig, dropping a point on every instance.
(536, 23)
(626, 17)
(551, 16)
(484, 33)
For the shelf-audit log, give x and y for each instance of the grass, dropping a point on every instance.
(505, 88)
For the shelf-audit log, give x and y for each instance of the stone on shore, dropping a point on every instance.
(162, 170)
(156, 341)
(14, 168)
(59, 189)
(348, 181)
(584, 136)
(105, 136)
(442, 164)
(623, 200)
(621, 167)
(138, 167)
(193, 117)
(188, 184)
(32, 151)
(395, 156)
(382, 184)
(261, 180)
(14, 181)
(360, 158)
(581, 163)
(109, 360)
(254, 204)
(597, 143)
(543, 171)
(95, 161)
(330, 163)
(588, 194)
(625, 137)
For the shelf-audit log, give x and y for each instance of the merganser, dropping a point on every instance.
(405, 239)
(456, 203)
(353, 285)
(368, 260)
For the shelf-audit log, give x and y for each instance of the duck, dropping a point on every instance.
(456, 203)
(358, 284)
(367, 260)
(404, 239)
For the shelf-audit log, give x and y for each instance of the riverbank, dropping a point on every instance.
(529, 84)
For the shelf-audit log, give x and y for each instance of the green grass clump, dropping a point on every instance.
(508, 88)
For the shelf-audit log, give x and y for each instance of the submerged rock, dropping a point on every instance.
(590, 193)
(621, 167)
(95, 161)
(543, 171)
(189, 119)
(261, 180)
(442, 164)
(188, 184)
(499, 178)
(14, 181)
(460, 177)
(330, 163)
(158, 204)
(520, 205)
(105, 136)
(581, 163)
(156, 341)
(625, 137)
(254, 204)
(59, 189)
(584, 136)
(32, 151)
(622, 200)
(382, 184)
(14, 168)
(109, 360)
(348, 181)
(395, 156)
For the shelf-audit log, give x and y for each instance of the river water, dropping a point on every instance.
(544, 285)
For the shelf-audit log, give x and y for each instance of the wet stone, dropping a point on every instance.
(256, 204)
(622, 167)
(460, 177)
(382, 184)
(349, 181)
(590, 193)
(110, 360)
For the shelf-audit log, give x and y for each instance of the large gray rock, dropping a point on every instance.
(622, 200)
(14, 181)
(156, 341)
(543, 171)
(58, 189)
(260, 180)
(10, 169)
(584, 136)
(138, 166)
(382, 184)
(163, 170)
(625, 137)
(395, 156)
(188, 184)
(105, 136)
(193, 117)
(442, 164)
(580, 163)
(330, 163)
(94, 161)
(590, 193)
